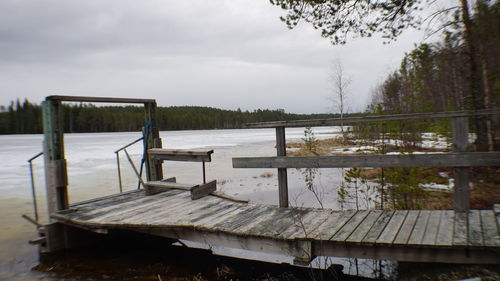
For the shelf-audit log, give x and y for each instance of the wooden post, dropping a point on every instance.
(461, 175)
(153, 167)
(56, 176)
(282, 174)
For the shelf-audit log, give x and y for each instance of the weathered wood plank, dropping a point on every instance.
(420, 227)
(242, 218)
(152, 189)
(350, 226)
(170, 185)
(496, 209)
(455, 159)
(198, 155)
(282, 172)
(203, 190)
(211, 212)
(491, 234)
(364, 227)
(133, 205)
(174, 215)
(278, 223)
(362, 119)
(229, 214)
(406, 229)
(109, 199)
(445, 233)
(378, 227)
(262, 222)
(475, 229)
(307, 226)
(460, 229)
(96, 211)
(432, 228)
(98, 99)
(335, 222)
(392, 228)
(130, 213)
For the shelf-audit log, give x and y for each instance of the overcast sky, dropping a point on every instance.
(221, 53)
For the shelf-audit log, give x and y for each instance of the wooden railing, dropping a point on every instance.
(459, 159)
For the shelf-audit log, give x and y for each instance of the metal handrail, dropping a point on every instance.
(33, 192)
(118, 160)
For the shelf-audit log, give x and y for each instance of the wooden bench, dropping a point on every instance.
(197, 191)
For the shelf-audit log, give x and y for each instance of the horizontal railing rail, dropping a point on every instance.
(117, 152)
(464, 159)
(459, 159)
(99, 99)
(365, 119)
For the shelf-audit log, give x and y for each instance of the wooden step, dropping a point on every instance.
(197, 190)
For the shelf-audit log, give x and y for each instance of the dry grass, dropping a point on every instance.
(266, 175)
(323, 147)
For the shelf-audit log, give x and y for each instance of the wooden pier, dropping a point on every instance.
(304, 233)
(199, 213)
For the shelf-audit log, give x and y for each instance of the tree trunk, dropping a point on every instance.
(476, 84)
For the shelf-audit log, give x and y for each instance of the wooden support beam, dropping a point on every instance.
(154, 187)
(461, 174)
(98, 99)
(203, 190)
(301, 250)
(464, 159)
(192, 155)
(56, 176)
(282, 173)
(406, 253)
(154, 169)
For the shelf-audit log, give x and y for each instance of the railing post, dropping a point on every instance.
(461, 175)
(282, 174)
(153, 167)
(56, 176)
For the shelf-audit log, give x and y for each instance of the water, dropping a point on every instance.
(92, 173)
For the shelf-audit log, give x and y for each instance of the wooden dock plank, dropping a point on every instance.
(350, 226)
(96, 212)
(272, 215)
(209, 222)
(364, 227)
(276, 224)
(133, 215)
(109, 199)
(445, 233)
(91, 207)
(406, 229)
(432, 228)
(378, 227)
(392, 228)
(132, 207)
(490, 229)
(460, 236)
(172, 214)
(475, 229)
(212, 211)
(420, 226)
(308, 225)
(335, 222)
(243, 218)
